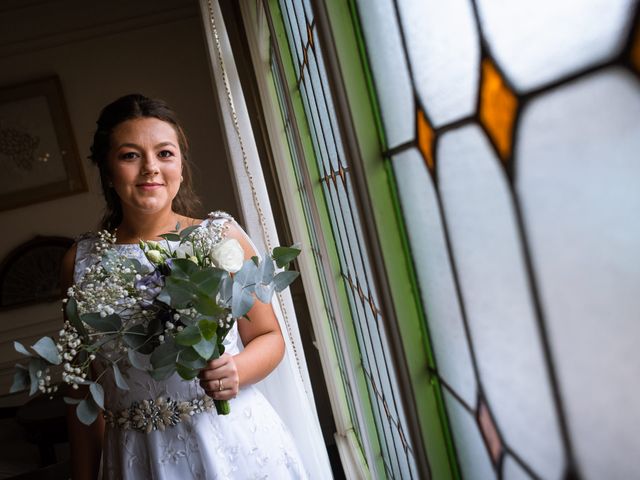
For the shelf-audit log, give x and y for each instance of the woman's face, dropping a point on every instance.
(145, 163)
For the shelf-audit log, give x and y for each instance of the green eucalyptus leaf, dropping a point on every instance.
(46, 348)
(35, 365)
(256, 260)
(266, 270)
(226, 290)
(186, 373)
(283, 279)
(97, 392)
(135, 266)
(165, 354)
(87, 411)
(205, 348)
(207, 305)
(148, 346)
(155, 326)
(172, 237)
(21, 380)
(189, 336)
(208, 280)
(135, 336)
(177, 292)
(110, 323)
(285, 255)
(163, 373)
(135, 361)
(183, 268)
(198, 364)
(71, 310)
(208, 328)
(246, 276)
(241, 302)
(120, 381)
(264, 292)
(21, 349)
(188, 355)
(71, 400)
(185, 232)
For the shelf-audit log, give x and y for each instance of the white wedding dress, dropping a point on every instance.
(251, 442)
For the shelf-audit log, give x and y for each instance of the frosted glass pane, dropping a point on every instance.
(308, 11)
(538, 41)
(320, 91)
(309, 103)
(362, 247)
(322, 73)
(443, 47)
(472, 452)
(339, 233)
(420, 209)
(387, 60)
(511, 470)
(295, 42)
(296, 11)
(579, 180)
(496, 293)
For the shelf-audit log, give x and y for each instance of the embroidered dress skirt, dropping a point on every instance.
(249, 443)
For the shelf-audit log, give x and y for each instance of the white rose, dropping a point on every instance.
(228, 255)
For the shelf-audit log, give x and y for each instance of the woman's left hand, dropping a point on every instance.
(220, 379)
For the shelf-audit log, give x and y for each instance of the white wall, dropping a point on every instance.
(102, 50)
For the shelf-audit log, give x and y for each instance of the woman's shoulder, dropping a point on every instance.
(220, 216)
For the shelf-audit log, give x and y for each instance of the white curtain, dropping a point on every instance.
(288, 388)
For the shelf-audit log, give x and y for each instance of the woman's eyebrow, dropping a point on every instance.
(135, 145)
(164, 144)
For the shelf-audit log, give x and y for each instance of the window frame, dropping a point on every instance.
(353, 458)
(395, 279)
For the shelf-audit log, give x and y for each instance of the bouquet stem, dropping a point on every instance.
(222, 407)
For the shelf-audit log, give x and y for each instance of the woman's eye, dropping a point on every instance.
(166, 153)
(129, 155)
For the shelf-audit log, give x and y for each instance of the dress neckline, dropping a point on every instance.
(137, 244)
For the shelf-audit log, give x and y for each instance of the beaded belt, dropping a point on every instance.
(150, 415)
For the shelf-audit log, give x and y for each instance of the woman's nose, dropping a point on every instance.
(149, 165)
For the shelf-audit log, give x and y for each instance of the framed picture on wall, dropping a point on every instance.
(38, 154)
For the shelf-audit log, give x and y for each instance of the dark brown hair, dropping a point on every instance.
(125, 108)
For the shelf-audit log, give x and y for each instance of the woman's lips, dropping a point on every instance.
(149, 186)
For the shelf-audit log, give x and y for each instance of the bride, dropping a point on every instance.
(142, 156)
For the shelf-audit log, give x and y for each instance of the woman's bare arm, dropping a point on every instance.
(262, 340)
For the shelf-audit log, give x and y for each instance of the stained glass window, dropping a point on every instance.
(513, 130)
(369, 358)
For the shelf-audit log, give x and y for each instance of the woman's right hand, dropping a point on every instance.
(220, 379)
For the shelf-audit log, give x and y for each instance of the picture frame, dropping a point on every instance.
(39, 158)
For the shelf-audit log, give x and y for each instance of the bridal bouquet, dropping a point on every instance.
(177, 312)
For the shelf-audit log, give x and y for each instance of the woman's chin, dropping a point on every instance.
(148, 207)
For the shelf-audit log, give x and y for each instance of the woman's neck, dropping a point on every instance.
(147, 227)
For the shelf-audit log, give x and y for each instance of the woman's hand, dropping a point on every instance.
(220, 379)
